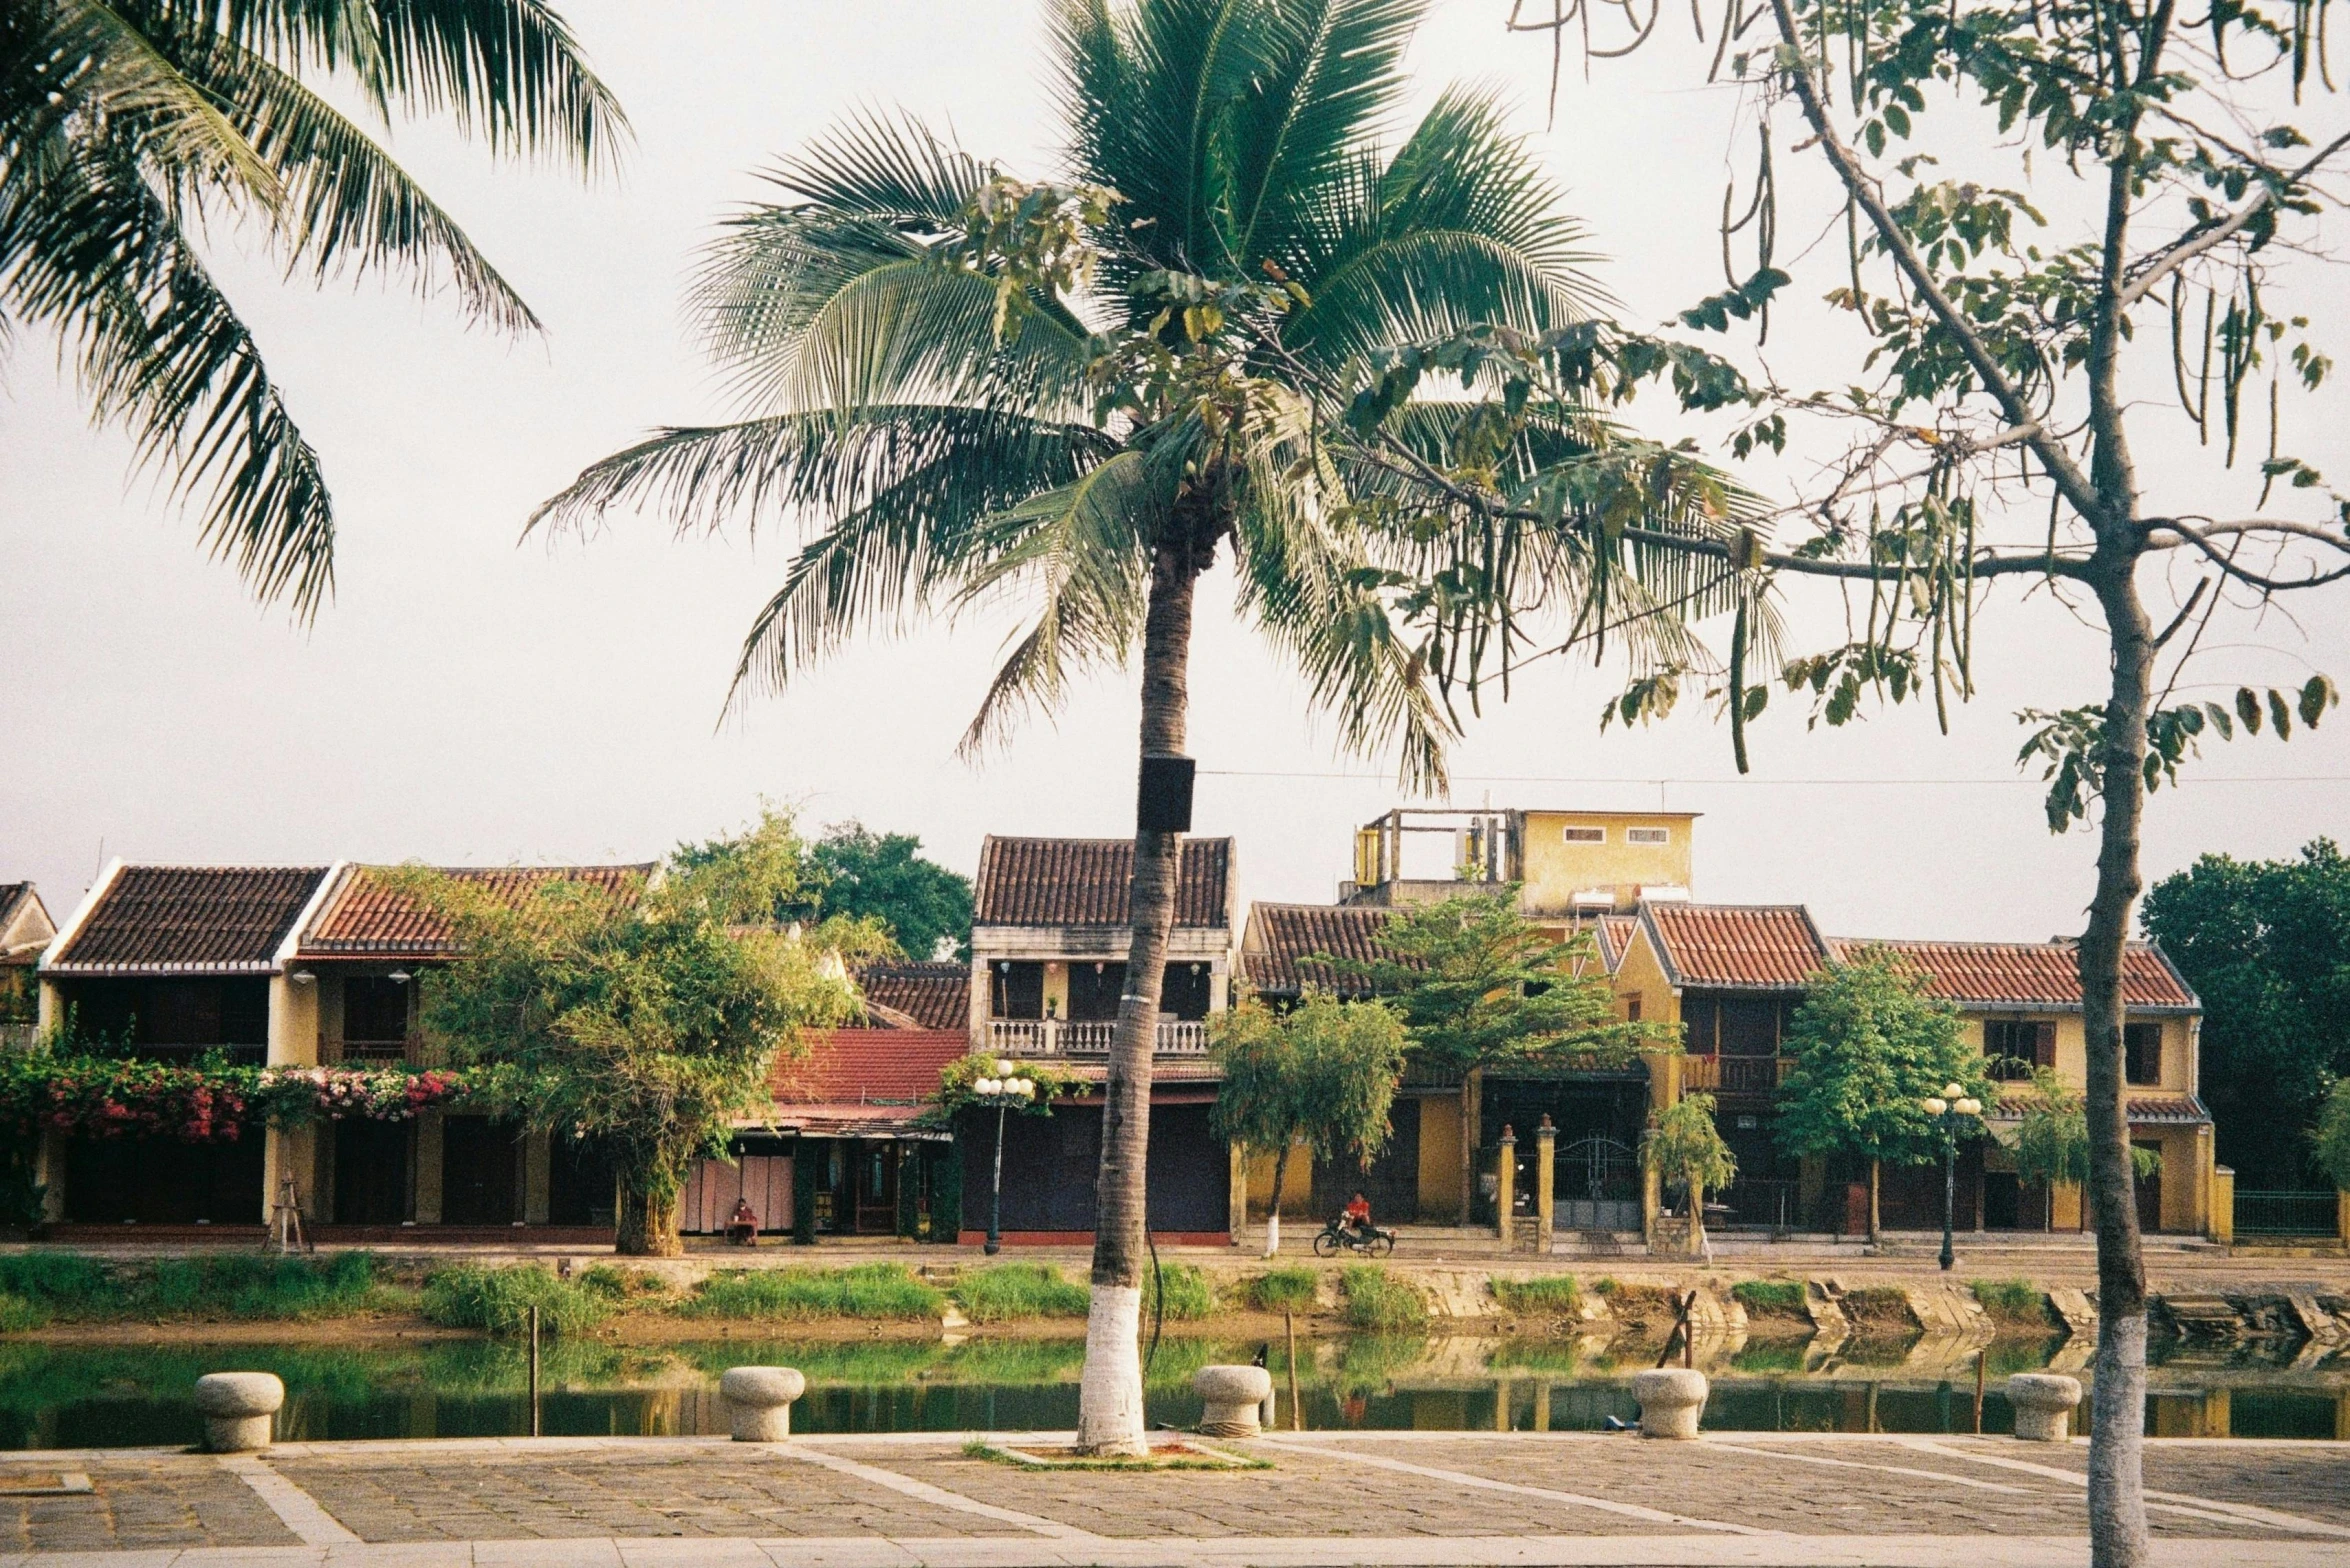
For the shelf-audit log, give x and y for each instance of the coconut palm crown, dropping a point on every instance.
(1069, 395)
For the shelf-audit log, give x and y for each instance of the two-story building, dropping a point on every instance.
(1050, 933)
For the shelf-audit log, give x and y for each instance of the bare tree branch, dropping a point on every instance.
(2194, 245)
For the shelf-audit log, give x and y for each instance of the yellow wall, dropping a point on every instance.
(2072, 1049)
(1555, 870)
(1297, 1185)
(1440, 1158)
(1641, 975)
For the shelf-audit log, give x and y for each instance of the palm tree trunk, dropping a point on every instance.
(2117, 1501)
(1109, 1401)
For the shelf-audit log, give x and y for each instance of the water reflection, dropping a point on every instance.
(78, 1396)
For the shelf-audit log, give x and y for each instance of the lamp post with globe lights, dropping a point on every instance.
(1005, 1089)
(1950, 1109)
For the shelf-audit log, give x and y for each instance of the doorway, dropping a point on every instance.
(371, 1171)
(477, 1171)
(2149, 1193)
(877, 1189)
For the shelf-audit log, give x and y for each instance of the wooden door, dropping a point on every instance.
(877, 1188)
(477, 1171)
(371, 1171)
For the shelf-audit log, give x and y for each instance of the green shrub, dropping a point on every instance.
(865, 1290)
(499, 1300)
(1557, 1294)
(1771, 1298)
(1285, 1290)
(1189, 1296)
(1010, 1291)
(2012, 1301)
(621, 1285)
(258, 1285)
(17, 1314)
(1377, 1300)
(1606, 1285)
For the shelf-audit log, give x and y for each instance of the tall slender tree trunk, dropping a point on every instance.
(1109, 1401)
(1876, 1203)
(2117, 1500)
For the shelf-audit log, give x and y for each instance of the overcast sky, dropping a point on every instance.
(468, 699)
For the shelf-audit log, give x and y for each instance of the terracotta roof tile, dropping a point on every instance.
(1615, 935)
(868, 1067)
(1280, 938)
(2030, 974)
(190, 920)
(365, 917)
(1759, 947)
(934, 996)
(1085, 882)
(2143, 1110)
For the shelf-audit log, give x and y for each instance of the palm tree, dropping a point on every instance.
(124, 125)
(1073, 395)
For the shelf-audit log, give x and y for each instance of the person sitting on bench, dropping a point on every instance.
(742, 1227)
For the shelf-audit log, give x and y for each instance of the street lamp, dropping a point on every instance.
(1004, 1090)
(1947, 1108)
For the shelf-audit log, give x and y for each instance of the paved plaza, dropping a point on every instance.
(1326, 1498)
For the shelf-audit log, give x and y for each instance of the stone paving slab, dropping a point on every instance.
(1331, 1498)
(697, 1492)
(150, 1501)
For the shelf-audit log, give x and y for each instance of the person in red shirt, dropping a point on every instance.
(1358, 1214)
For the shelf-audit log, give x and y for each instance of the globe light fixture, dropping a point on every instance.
(1950, 1110)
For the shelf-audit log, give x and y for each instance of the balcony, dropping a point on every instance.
(1733, 1074)
(1039, 1037)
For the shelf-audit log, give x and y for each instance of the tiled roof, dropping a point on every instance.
(868, 1067)
(2159, 1110)
(1085, 882)
(933, 996)
(2030, 974)
(1281, 937)
(189, 920)
(365, 917)
(1758, 947)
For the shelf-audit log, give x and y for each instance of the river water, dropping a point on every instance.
(74, 1396)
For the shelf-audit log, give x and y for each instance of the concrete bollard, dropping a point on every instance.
(759, 1401)
(1234, 1396)
(1671, 1400)
(236, 1407)
(2043, 1404)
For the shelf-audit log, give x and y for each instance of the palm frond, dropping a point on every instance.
(349, 207)
(1081, 552)
(87, 247)
(507, 71)
(1460, 228)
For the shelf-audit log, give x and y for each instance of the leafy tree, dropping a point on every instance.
(1684, 1148)
(125, 127)
(1868, 1045)
(1072, 394)
(880, 876)
(2052, 1141)
(1481, 986)
(1321, 1075)
(903, 905)
(2333, 1134)
(2266, 944)
(648, 1018)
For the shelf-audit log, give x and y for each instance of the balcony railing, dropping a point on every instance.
(1087, 1037)
(1733, 1074)
(2007, 1069)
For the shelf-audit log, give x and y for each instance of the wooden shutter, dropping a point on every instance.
(2043, 1045)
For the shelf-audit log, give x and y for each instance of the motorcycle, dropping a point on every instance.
(1339, 1235)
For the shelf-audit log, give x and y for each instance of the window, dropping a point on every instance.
(375, 1010)
(1184, 991)
(1094, 990)
(1582, 835)
(1017, 989)
(1648, 835)
(2142, 1053)
(1632, 1008)
(2014, 1046)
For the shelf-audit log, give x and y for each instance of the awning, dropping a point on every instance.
(903, 1123)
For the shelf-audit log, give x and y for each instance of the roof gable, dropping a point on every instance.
(1735, 947)
(2029, 974)
(365, 917)
(189, 920)
(1086, 882)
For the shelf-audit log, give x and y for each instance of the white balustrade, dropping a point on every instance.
(1018, 1037)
